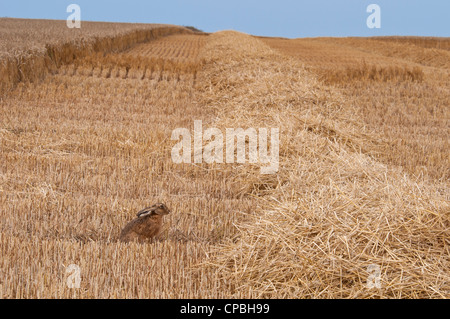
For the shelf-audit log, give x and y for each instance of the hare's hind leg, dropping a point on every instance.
(131, 237)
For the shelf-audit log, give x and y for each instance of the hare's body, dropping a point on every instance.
(146, 226)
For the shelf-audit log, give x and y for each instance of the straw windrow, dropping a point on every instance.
(332, 211)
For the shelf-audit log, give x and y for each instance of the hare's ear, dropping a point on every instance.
(146, 211)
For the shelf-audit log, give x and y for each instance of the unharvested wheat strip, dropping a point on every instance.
(41, 57)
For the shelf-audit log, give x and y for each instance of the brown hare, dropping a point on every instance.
(147, 224)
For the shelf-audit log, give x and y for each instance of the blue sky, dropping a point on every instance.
(285, 18)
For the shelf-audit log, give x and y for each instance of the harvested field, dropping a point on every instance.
(333, 210)
(180, 48)
(76, 132)
(399, 90)
(87, 146)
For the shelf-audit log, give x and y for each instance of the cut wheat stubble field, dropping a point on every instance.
(89, 146)
(398, 86)
(81, 154)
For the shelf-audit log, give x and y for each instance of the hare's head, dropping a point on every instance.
(158, 209)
